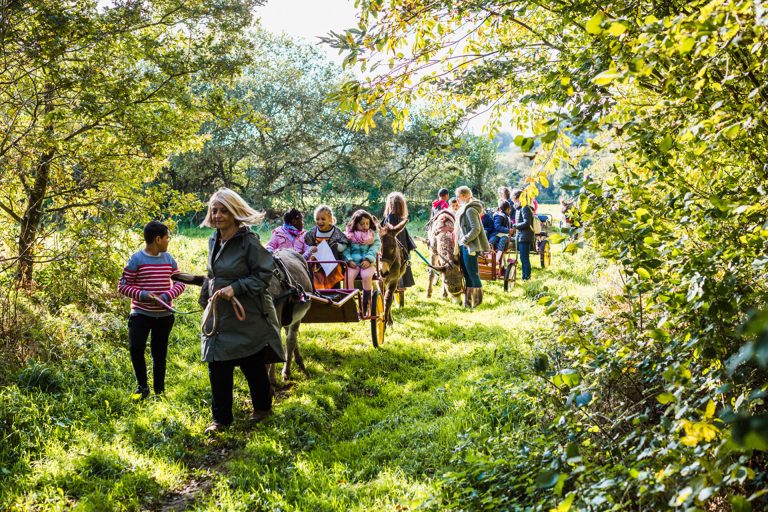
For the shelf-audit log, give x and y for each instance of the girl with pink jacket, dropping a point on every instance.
(290, 235)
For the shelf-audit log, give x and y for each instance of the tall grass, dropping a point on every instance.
(369, 429)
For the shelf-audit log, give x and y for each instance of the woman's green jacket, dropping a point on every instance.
(243, 263)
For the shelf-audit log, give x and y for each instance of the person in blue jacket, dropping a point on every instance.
(499, 236)
(524, 226)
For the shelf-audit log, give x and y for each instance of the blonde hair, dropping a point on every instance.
(396, 204)
(463, 191)
(327, 209)
(244, 215)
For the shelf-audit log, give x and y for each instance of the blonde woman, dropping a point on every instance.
(239, 267)
(470, 240)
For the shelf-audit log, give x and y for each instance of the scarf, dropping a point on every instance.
(292, 230)
(361, 237)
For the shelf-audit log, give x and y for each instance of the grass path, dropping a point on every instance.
(368, 430)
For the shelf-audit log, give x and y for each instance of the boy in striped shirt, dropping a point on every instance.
(147, 277)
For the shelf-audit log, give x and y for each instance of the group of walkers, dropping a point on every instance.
(478, 229)
(239, 270)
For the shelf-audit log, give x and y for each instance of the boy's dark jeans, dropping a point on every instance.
(139, 329)
(221, 374)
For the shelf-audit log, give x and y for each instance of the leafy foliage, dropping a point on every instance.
(93, 98)
(657, 391)
(277, 139)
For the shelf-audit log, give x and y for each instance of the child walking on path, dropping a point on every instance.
(147, 277)
(325, 230)
(290, 235)
(360, 255)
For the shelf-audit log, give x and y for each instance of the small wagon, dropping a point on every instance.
(346, 305)
(493, 268)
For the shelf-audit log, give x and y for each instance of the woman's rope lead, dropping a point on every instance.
(212, 310)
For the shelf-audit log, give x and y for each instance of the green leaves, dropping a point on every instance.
(617, 28)
(665, 398)
(594, 24)
(666, 143)
(568, 377)
(546, 479)
(525, 143)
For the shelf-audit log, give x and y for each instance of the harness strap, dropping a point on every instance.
(292, 287)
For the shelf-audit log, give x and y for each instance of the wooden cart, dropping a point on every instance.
(344, 305)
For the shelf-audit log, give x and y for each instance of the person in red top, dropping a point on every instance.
(441, 203)
(147, 281)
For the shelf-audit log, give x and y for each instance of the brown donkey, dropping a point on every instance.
(441, 244)
(393, 262)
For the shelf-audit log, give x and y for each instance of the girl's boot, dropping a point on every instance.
(366, 303)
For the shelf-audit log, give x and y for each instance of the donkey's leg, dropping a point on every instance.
(290, 346)
(272, 371)
(389, 297)
(296, 353)
(431, 274)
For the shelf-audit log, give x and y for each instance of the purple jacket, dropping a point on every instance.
(283, 239)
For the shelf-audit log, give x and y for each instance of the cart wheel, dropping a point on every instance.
(510, 274)
(377, 320)
(545, 254)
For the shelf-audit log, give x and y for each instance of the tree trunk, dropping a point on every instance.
(30, 222)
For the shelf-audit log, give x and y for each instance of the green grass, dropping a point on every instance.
(368, 430)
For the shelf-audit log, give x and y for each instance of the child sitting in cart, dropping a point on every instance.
(290, 235)
(360, 255)
(325, 230)
(499, 236)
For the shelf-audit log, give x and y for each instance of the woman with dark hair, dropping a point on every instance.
(396, 211)
(525, 236)
(290, 235)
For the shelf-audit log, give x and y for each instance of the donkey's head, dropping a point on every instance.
(453, 279)
(391, 249)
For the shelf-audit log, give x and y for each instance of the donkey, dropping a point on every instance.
(393, 262)
(290, 279)
(441, 244)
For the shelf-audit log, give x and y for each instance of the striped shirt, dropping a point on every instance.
(144, 274)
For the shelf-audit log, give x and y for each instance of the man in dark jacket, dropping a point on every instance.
(524, 226)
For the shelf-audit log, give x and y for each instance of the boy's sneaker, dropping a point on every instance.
(140, 394)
